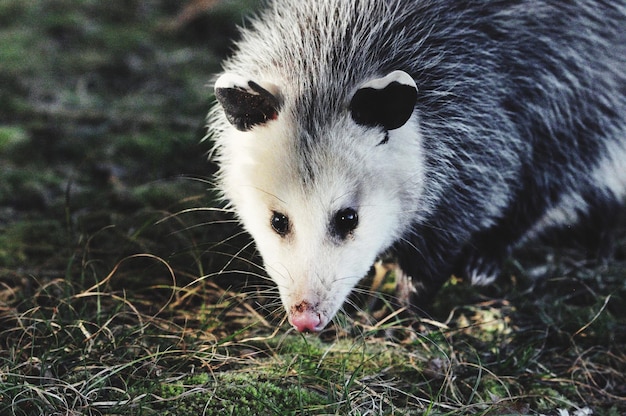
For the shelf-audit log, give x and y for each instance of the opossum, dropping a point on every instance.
(444, 132)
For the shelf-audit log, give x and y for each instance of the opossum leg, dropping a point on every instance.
(592, 234)
(601, 233)
(420, 274)
(605, 217)
(595, 231)
(416, 295)
(481, 265)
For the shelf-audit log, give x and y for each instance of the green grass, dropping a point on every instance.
(86, 343)
(123, 292)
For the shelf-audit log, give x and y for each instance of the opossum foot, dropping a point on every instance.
(481, 270)
(415, 294)
(406, 287)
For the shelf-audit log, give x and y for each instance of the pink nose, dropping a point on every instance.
(303, 317)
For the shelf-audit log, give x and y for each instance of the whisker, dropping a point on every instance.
(195, 209)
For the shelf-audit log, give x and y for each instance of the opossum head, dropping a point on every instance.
(323, 203)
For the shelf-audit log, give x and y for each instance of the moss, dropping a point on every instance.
(238, 393)
(28, 239)
(10, 136)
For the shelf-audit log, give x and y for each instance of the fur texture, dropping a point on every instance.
(518, 126)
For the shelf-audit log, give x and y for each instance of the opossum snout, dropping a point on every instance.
(305, 317)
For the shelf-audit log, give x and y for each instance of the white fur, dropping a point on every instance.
(564, 213)
(229, 80)
(611, 171)
(400, 77)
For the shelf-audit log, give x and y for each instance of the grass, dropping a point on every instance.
(122, 291)
(91, 343)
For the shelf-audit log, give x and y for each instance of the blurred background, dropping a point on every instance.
(102, 115)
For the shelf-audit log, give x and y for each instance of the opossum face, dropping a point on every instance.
(320, 205)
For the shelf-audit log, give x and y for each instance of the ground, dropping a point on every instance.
(125, 289)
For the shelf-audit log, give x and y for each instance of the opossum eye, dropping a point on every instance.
(280, 223)
(344, 222)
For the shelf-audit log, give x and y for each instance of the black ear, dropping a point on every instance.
(386, 102)
(245, 102)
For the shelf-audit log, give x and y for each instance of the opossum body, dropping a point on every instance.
(446, 132)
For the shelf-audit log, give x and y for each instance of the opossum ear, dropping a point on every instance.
(245, 102)
(386, 102)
